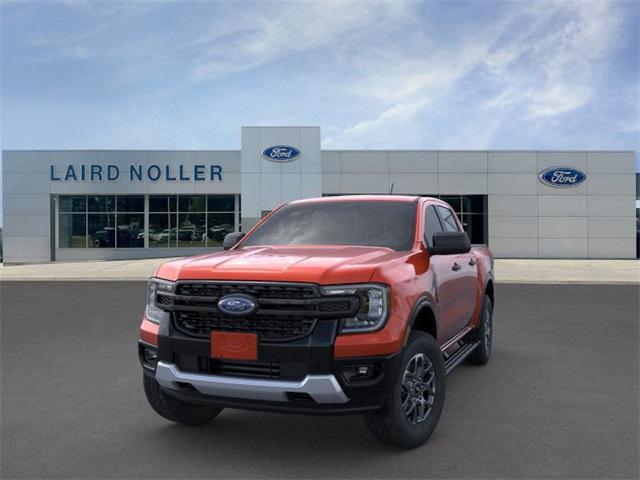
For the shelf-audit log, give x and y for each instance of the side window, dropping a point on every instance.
(448, 220)
(431, 225)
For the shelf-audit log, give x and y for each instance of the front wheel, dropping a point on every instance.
(415, 402)
(176, 410)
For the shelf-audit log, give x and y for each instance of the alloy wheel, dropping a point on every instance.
(418, 388)
(487, 328)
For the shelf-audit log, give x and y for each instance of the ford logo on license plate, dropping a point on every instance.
(238, 305)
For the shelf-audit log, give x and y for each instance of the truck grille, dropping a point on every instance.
(285, 311)
(286, 327)
(258, 290)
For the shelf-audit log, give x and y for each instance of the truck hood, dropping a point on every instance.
(314, 264)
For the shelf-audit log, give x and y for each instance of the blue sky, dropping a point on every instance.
(402, 74)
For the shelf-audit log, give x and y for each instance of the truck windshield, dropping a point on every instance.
(367, 223)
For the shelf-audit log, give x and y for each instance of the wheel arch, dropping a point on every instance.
(423, 318)
(489, 291)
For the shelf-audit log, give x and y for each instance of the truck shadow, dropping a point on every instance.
(260, 444)
(278, 444)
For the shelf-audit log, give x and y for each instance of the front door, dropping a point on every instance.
(462, 274)
(443, 278)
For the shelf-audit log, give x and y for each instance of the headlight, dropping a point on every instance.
(155, 285)
(374, 306)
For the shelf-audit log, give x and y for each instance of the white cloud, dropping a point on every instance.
(398, 113)
(405, 88)
(570, 73)
(373, 72)
(539, 60)
(232, 37)
(558, 98)
(261, 37)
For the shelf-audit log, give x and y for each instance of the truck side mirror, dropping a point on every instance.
(230, 239)
(449, 243)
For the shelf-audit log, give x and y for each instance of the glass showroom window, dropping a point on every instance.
(192, 223)
(474, 215)
(130, 221)
(72, 222)
(101, 221)
(191, 220)
(472, 212)
(162, 221)
(221, 218)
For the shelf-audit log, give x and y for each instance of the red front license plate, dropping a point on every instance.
(236, 346)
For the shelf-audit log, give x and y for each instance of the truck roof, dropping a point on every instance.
(359, 198)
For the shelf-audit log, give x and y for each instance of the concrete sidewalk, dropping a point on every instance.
(567, 271)
(507, 271)
(100, 270)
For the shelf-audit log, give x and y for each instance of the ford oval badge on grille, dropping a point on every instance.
(237, 305)
(281, 153)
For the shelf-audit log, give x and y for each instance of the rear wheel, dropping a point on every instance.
(415, 402)
(176, 410)
(484, 333)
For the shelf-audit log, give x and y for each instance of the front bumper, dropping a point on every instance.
(308, 397)
(307, 379)
(320, 388)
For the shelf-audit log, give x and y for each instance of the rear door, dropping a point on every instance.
(463, 276)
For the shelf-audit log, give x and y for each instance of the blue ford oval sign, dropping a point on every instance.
(562, 177)
(236, 305)
(281, 153)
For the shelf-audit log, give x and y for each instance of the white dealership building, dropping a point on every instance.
(120, 204)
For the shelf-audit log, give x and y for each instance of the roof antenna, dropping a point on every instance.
(391, 189)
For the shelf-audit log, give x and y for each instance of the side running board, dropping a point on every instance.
(456, 358)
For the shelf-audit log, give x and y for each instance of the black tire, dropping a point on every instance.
(176, 410)
(391, 425)
(484, 333)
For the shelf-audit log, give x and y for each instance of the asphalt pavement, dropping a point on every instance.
(559, 398)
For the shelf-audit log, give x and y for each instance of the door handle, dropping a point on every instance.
(456, 267)
(472, 262)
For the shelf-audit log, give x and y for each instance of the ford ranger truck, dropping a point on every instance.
(336, 305)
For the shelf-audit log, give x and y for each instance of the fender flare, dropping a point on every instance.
(489, 280)
(422, 302)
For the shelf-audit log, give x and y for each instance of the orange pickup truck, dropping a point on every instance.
(335, 305)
